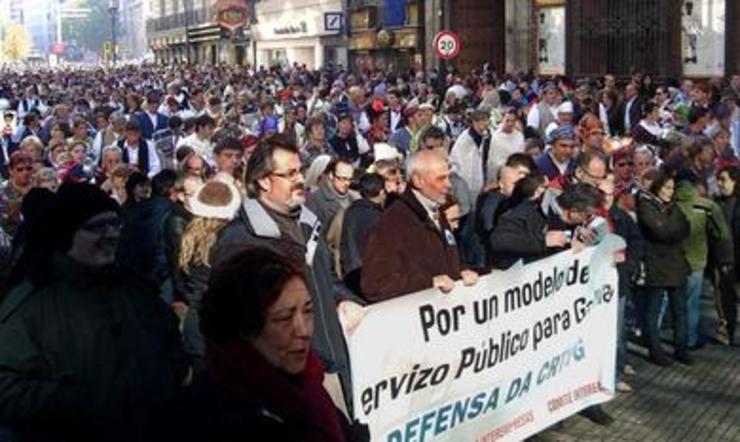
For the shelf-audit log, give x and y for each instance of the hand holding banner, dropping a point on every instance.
(501, 360)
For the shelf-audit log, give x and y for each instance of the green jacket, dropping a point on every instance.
(86, 356)
(707, 223)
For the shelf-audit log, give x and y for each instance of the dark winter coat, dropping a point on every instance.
(664, 228)
(405, 251)
(142, 245)
(731, 210)
(359, 218)
(626, 227)
(86, 357)
(174, 227)
(195, 284)
(520, 234)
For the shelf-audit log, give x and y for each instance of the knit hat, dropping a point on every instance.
(564, 132)
(216, 199)
(76, 204)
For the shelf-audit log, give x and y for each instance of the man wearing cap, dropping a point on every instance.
(406, 137)
(558, 159)
(565, 117)
(149, 119)
(139, 152)
(541, 115)
(469, 154)
(88, 352)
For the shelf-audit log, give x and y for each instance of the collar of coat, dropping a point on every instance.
(413, 203)
(265, 226)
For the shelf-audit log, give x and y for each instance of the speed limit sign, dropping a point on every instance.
(446, 45)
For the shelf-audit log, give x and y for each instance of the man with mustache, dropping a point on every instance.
(273, 216)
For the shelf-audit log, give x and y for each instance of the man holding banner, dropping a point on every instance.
(412, 246)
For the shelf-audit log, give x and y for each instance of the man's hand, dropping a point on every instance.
(555, 238)
(180, 309)
(469, 278)
(350, 315)
(577, 246)
(444, 283)
(619, 257)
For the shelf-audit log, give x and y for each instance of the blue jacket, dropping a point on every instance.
(147, 128)
(546, 165)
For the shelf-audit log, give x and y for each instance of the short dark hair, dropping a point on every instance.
(695, 113)
(204, 120)
(228, 143)
(241, 290)
(661, 177)
(370, 185)
(163, 182)
(521, 159)
(581, 197)
(433, 133)
(133, 125)
(260, 162)
(332, 166)
(526, 187)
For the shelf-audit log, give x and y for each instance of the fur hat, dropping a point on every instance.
(216, 199)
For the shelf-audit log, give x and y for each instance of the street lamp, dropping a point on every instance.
(113, 11)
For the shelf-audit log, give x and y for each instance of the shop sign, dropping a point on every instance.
(295, 28)
(232, 14)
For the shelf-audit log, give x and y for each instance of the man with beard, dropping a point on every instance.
(273, 216)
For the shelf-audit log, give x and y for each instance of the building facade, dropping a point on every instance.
(668, 38)
(387, 34)
(309, 33)
(197, 31)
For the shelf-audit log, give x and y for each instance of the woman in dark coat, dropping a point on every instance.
(263, 381)
(664, 228)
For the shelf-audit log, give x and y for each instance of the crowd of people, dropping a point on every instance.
(180, 246)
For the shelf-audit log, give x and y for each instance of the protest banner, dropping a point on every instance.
(502, 360)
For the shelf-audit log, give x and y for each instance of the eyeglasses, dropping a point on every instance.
(102, 225)
(592, 176)
(291, 175)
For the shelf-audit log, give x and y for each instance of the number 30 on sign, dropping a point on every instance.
(446, 45)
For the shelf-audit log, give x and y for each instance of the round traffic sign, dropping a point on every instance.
(446, 45)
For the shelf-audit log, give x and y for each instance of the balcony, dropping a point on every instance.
(175, 21)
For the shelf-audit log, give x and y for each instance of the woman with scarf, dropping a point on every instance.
(262, 381)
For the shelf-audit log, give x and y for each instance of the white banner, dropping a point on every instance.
(502, 360)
